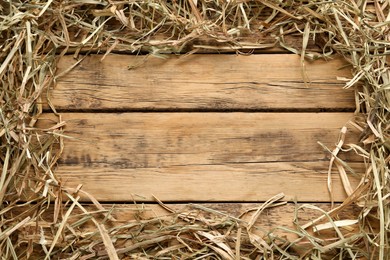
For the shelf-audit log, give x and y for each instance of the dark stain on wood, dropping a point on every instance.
(70, 160)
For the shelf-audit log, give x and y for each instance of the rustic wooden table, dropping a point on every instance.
(230, 131)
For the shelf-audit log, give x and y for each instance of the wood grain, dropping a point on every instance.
(201, 82)
(201, 156)
(302, 181)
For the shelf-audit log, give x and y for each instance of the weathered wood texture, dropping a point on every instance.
(201, 156)
(201, 82)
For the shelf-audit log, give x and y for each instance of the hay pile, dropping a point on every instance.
(41, 219)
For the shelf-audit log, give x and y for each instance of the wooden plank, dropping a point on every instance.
(201, 82)
(303, 181)
(201, 156)
(270, 219)
(252, 44)
(282, 216)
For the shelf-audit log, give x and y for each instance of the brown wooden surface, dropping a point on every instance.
(270, 220)
(190, 154)
(201, 156)
(201, 82)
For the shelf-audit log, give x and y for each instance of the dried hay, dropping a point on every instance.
(35, 34)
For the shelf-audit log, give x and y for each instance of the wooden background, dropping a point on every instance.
(227, 130)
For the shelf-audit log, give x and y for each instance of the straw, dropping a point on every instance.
(35, 34)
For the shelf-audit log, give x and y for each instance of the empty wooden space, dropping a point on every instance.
(177, 156)
(203, 128)
(201, 82)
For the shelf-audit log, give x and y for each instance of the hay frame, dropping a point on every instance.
(34, 35)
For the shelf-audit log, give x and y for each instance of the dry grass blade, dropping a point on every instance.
(262, 208)
(108, 243)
